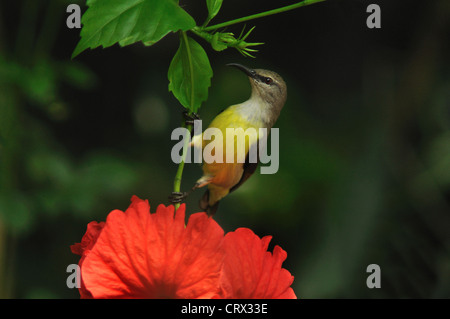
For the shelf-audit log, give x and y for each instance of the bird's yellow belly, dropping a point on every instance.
(236, 145)
(225, 175)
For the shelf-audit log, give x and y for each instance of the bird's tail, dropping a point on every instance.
(209, 208)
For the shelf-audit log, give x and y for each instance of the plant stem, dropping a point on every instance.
(262, 14)
(197, 31)
(177, 181)
(179, 174)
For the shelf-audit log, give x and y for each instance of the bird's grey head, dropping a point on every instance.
(266, 85)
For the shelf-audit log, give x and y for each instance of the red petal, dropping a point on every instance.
(90, 237)
(143, 255)
(250, 271)
(87, 242)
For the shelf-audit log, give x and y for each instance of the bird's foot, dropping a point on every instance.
(177, 197)
(190, 118)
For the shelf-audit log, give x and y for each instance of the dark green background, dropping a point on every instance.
(364, 155)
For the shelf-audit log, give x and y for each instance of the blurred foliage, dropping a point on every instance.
(364, 155)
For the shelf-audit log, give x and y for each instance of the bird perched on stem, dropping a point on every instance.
(261, 110)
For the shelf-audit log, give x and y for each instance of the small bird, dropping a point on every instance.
(260, 111)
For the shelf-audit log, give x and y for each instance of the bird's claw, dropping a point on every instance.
(190, 118)
(177, 197)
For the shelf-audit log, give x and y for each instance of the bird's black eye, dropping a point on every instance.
(268, 80)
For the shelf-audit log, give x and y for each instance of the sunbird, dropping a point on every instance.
(261, 110)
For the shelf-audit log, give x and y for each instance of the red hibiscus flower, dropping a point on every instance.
(143, 255)
(135, 254)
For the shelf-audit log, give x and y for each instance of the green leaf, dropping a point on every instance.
(107, 22)
(213, 8)
(190, 74)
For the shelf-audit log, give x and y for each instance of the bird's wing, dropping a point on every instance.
(249, 169)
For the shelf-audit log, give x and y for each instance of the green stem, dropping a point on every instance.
(262, 14)
(200, 33)
(177, 181)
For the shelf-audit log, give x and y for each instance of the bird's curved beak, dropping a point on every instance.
(250, 72)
